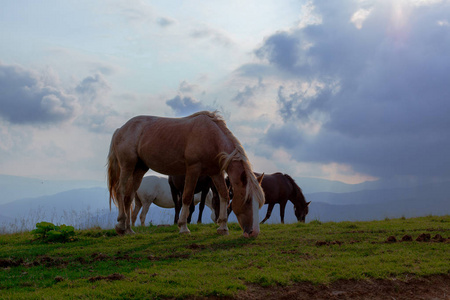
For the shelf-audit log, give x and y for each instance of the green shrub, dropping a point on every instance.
(48, 232)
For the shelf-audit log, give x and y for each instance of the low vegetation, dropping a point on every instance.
(48, 232)
(157, 262)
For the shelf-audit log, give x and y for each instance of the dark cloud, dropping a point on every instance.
(183, 106)
(286, 136)
(213, 35)
(186, 87)
(91, 87)
(281, 49)
(27, 98)
(165, 22)
(384, 95)
(245, 95)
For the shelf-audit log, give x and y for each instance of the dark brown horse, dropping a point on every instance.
(204, 184)
(200, 144)
(279, 188)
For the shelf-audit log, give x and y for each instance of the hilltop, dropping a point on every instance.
(379, 259)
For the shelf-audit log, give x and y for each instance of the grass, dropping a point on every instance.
(157, 262)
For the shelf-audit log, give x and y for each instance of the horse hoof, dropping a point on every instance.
(187, 231)
(223, 231)
(130, 232)
(119, 230)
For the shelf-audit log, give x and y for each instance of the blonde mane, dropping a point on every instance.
(238, 154)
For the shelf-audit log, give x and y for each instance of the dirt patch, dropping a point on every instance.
(99, 256)
(7, 263)
(298, 254)
(407, 238)
(439, 238)
(195, 246)
(325, 243)
(112, 277)
(432, 287)
(391, 239)
(50, 261)
(424, 237)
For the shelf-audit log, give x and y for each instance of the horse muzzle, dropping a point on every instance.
(251, 234)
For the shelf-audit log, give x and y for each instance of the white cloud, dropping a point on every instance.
(359, 17)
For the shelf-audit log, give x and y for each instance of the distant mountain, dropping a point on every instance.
(436, 191)
(82, 208)
(91, 199)
(378, 211)
(5, 219)
(88, 207)
(16, 187)
(69, 207)
(315, 185)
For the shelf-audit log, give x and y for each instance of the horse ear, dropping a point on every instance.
(307, 203)
(260, 178)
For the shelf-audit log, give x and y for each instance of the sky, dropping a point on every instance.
(352, 91)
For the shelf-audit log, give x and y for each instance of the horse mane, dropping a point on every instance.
(238, 154)
(297, 189)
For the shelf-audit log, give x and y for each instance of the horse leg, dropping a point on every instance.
(215, 203)
(192, 175)
(269, 212)
(176, 201)
(144, 212)
(282, 209)
(136, 209)
(202, 205)
(191, 211)
(131, 187)
(221, 187)
(125, 191)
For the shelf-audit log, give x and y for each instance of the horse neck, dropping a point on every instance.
(251, 187)
(297, 196)
(234, 171)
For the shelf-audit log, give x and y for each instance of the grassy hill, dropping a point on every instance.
(157, 262)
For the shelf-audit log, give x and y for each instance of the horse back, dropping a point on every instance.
(168, 145)
(277, 188)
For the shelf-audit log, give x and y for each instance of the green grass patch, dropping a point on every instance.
(157, 262)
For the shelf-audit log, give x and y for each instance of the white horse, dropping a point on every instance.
(154, 189)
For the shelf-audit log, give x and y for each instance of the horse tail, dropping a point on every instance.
(297, 190)
(113, 173)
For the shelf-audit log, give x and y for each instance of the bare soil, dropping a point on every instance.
(432, 287)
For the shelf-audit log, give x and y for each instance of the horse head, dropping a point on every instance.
(301, 211)
(246, 204)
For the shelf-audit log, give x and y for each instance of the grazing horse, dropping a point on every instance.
(204, 184)
(154, 189)
(279, 188)
(200, 144)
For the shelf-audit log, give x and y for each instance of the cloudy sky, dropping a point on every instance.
(342, 90)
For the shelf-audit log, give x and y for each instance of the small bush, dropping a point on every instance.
(48, 232)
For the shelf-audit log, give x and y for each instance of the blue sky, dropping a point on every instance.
(341, 90)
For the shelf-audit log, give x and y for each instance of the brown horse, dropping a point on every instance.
(279, 188)
(200, 144)
(204, 184)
